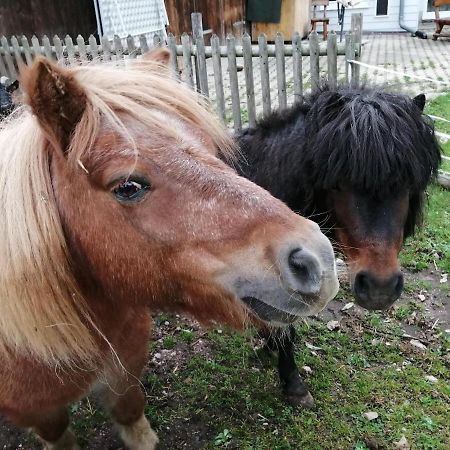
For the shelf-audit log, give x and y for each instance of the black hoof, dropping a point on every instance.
(297, 400)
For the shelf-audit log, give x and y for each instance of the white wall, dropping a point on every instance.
(372, 22)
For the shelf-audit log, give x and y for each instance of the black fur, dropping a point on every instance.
(374, 142)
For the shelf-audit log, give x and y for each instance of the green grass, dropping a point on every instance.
(431, 244)
(238, 397)
(440, 106)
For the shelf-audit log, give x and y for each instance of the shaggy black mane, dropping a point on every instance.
(362, 137)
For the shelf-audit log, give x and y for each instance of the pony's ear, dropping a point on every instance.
(56, 98)
(159, 55)
(419, 101)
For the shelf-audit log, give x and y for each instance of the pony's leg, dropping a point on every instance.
(122, 394)
(52, 429)
(294, 388)
(125, 402)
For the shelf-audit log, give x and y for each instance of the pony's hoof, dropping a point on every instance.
(139, 435)
(300, 400)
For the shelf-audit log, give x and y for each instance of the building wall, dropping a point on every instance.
(39, 17)
(372, 22)
(219, 16)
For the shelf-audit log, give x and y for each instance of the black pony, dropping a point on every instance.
(357, 161)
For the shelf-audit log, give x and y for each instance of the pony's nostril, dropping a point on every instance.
(306, 270)
(362, 284)
(398, 283)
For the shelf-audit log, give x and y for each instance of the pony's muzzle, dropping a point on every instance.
(374, 293)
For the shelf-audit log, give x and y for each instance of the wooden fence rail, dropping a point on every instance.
(191, 59)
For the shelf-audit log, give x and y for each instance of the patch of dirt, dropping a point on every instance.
(431, 304)
(177, 339)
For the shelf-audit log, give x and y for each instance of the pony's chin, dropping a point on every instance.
(269, 313)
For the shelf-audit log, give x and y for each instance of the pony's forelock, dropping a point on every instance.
(373, 140)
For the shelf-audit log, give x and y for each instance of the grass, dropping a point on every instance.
(431, 245)
(440, 107)
(235, 394)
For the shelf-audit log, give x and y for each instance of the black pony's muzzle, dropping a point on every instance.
(374, 293)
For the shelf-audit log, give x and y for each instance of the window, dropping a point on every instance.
(382, 7)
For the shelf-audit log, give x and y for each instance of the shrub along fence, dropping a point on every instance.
(214, 69)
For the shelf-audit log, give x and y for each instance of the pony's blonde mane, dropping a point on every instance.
(42, 313)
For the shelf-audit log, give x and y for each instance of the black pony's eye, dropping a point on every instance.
(131, 190)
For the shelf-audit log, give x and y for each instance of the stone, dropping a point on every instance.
(431, 378)
(370, 415)
(418, 344)
(333, 325)
(348, 306)
(402, 444)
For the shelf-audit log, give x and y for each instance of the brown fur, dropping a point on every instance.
(377, 251)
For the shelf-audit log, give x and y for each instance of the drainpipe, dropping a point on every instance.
(401, 17)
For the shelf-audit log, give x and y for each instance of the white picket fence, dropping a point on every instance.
(197, 63)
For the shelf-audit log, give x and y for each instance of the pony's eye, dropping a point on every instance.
(131, 190)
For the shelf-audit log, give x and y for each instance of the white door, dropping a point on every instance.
(428, 10)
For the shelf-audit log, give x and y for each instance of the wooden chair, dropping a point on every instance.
(438, 21)
(316, 4)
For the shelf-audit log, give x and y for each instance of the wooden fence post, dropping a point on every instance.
(249, 83)
(93, 47)
(332, 60)
(281, 70)
(69, 46)
(200, 58)
(218, 79)
(3, 71)
(297, 66)
(349, 55)
(234, 84)
(17, 52)
(81, 49)
(131, 47)
(106, 49)
(8, 59)
(172, 44)
(314, 52)
(143, 44)
(26, 50)
(264, 70)
(357, 21)
(187, 60)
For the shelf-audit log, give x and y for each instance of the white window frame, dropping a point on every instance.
(429, 15)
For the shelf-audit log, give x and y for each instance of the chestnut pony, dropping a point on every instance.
(113, 206)
(357, 160)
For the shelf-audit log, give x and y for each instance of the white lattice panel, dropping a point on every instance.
(135, 17)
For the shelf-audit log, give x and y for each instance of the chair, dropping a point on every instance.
(438, 21)
(316, 4)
